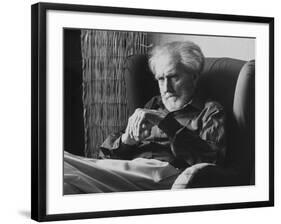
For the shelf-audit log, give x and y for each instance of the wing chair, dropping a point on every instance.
(228, 81)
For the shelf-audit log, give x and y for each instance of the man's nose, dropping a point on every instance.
(168, 87)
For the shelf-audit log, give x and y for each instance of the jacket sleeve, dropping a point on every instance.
(205, 146)
(113, 147)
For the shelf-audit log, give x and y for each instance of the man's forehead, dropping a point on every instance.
(165, 64)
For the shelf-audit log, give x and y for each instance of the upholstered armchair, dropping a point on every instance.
(228, 81)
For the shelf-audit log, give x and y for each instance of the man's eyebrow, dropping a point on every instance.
(170, 74)
(158, 76)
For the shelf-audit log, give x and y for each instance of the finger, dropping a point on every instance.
(137, 126)
(130, 128)
(140, 123)
(133, 121)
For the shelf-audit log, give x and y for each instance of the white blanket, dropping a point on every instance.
(84, 175)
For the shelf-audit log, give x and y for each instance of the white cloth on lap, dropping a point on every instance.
(85, 175)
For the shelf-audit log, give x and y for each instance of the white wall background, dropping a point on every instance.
(15, 111)
(214, 46)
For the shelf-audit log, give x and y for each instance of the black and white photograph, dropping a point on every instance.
(157, 111)
(139, 112)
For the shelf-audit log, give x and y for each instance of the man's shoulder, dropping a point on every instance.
(212, 109)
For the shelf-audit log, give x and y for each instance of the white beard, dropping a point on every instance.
(173, 103)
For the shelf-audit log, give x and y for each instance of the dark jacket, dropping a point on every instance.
(191, 135)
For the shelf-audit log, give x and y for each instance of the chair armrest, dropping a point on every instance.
(206, 175)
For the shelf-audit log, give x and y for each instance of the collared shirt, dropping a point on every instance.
(191, 135)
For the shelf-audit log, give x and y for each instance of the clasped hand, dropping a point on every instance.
(140, 124)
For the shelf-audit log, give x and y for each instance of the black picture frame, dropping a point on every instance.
(39, 109)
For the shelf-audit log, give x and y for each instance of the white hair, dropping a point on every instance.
(187, 53)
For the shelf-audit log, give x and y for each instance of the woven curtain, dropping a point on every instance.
(104, 92)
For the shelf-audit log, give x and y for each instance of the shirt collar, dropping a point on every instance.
(195, 102)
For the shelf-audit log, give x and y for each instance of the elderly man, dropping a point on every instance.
(172, 132)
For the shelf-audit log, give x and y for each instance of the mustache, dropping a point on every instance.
(168, 94)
